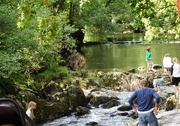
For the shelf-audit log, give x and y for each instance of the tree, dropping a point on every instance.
(32, 49)
(104, 17)
(158, 17)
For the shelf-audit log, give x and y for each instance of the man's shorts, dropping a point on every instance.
(149, 62)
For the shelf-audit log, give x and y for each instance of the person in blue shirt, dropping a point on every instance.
(149, 59)
(147, 103)
(156, 83)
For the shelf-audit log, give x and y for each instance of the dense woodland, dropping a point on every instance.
(37, 36)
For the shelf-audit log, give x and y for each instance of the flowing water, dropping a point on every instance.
(104, 117)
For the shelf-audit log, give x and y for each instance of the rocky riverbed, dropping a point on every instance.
(116, 113)
(86, 94)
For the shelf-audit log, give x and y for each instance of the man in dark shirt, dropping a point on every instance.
(146, 107)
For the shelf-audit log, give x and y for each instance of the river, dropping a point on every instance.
(125, 57)
(104, 117)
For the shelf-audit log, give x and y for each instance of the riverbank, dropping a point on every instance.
(94, 97)
(99, 116)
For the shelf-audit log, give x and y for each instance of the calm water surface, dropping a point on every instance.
(126, 57)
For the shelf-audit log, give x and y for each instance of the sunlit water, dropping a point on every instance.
(125, 57)
(102, 116)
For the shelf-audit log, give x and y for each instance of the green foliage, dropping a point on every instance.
(158, 17)
(9, 64)
(33, 32)
(9, 54)
(35, 44)
(96, 17)
(55, 72)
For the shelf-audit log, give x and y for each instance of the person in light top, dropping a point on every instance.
(31, 107)
(167, 62)
(175, 74)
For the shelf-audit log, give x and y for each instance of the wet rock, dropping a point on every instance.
(101, 97)
(73, 122)
(132, 70)
(50, 89)
(82, 111)
(123, 113)
(170, 103)
(110, 104)
(92, 124)
(157, 66)
(63, 125)
(76, 97)
(76, 61)
(48, 110)
(130, 82)
(125, 108)
(89, 97)
(97, 100)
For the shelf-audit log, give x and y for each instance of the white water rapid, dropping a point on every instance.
(104, 117)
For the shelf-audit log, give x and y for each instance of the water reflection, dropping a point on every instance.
(126, 57)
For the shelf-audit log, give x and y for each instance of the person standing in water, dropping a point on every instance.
(149, 59)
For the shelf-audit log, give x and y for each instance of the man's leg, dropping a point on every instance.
(142, 120)
(152, 120)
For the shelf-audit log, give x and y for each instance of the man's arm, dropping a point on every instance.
(156, 107)
(131, 101)
(134, 108)
(157, 100)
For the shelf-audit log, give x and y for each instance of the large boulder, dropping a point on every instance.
(50, 88)
(125, 108)
(82, 111)
(110, 104)
(97, 100)
(50, 110)
(170, 103)
(101, 97)
(76, 97)
(76, 61)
